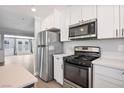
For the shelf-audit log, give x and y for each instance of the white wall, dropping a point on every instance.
(26, 60)
(108, 47)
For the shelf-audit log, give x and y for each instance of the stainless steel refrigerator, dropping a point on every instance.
(48, 44)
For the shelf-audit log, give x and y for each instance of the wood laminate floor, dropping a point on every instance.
(43, 84)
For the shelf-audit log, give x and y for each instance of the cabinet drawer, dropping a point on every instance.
(110, 72)
(58, 59)
(101, 81)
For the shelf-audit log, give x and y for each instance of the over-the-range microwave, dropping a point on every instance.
(84, 29)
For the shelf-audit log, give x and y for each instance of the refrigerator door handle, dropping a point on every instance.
(38, 59)
(41, 62)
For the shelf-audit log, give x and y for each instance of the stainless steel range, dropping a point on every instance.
(78, 67)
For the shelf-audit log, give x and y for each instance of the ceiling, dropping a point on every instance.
(19, 19)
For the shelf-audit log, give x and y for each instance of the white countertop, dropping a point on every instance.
(15, 76)
(62, 55)
(110, 62)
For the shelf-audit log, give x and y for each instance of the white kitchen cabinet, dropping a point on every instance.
(82, 13)
(52, 20)
(57, 15)
(75, 14)
(103, 82)
(48, 22)
(106, 22)
(88, 12)
(107, 77)
(44, 24)
(64, 24)
(109, 23)
(121, 32)
(59, 67)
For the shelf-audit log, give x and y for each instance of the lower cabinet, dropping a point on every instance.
(105, 77)
(58, 69)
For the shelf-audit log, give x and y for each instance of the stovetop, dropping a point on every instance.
(84, 55)
(80, 60)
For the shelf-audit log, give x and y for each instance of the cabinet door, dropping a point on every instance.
(121, 21)
(107, 77)
(64, 24)
(108, 25)
(44, 24)
(88, 12)
(57, 15)
(50, 21)
(58, 70)
(104, 82)
(75, 12)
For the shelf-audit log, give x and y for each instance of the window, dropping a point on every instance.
(9, 46)
(17, 46)
(23, 46)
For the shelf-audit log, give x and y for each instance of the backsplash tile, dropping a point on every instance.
(108, 46)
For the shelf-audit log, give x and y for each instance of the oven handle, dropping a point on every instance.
(89, 77)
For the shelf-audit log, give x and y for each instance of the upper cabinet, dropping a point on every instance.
(88, 12)
(106, 22)
(64, 24)
(82, 13)
(110, 21)
(45, 24)
(121, 21)
(51, 21)
(75, 14)
(57, 15)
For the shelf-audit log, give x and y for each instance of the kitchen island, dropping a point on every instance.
(16, 76)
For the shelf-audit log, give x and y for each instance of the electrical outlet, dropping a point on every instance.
(121, 48)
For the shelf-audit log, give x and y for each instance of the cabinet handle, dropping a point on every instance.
(116, 32)
(123, 73)
(80, 21)
(122, 31)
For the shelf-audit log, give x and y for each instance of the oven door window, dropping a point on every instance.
(76, 74)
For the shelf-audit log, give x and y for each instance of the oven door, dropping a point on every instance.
(77, 75)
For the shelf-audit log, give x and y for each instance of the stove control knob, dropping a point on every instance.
(80, 62)
(64, 59)
(68, 60)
